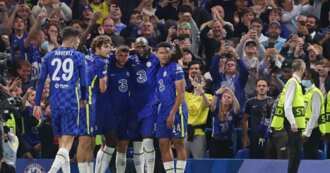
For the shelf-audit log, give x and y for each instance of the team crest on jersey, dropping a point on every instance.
(34, 168)
(165, 74)
(161, 85)
(123, 85)
(142, 76)
(148, 64)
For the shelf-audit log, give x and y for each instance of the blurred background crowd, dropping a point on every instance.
(219, 43)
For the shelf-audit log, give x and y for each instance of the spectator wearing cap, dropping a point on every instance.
(274, 39)
(184, 29)
(274, 15)
(50, 7)
(116, 15)
(108, 28)
(286, 71)
(185, 18)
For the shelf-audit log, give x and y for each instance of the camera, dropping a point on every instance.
(9, 105)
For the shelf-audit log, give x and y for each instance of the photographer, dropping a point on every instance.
(9, 149)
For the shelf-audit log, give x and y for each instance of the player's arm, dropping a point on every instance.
(179, 87)
(83, 80)
(40, 86)
(103, 78)
(316, 109)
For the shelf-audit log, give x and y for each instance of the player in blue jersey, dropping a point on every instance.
(66, 69)
(115, 117)
(97, 83)
(172, 111)
(144, 106)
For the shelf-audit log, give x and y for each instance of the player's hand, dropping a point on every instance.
(304, 138)
(294, 128)
(83, 103)
(170, 121)
(37, 112)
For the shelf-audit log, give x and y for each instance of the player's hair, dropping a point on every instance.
(165, 45)
(122, 48)
(99, 41)
(298, 65)
(69, 32)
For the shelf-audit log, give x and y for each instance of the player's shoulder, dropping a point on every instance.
(177, 67)
(78, 54)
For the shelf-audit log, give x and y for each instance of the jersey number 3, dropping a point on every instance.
(66, 66)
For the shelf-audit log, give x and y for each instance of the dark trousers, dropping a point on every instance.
(5, 168)
(311, 146)
(221, 148)
(294, 150)
(276, 147)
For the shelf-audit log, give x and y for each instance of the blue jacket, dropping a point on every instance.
(237, 83)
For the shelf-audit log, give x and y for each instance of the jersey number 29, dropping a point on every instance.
(66, 66)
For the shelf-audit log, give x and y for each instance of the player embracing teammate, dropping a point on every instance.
(125, 97)
(149, 103)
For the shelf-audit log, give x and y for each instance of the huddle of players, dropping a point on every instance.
(125, 97)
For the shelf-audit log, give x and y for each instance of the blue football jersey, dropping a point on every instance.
(96, 69)
(143, 77)
(67, 72)
(118, 86)
(166, 90)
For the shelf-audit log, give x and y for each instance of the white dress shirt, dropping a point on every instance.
(316, 110)
(289, 96)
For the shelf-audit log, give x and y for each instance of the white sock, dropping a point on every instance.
(120, 162)
(103, 159)
(138, 157)
(61, 159)
(90, 168)
(169, 166)
(83, 167)
(149, 154)
(180, 166)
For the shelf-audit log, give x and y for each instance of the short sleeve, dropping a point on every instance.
(101, 68)
(179, 74)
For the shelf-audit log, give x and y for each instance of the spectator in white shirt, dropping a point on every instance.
(290, 11)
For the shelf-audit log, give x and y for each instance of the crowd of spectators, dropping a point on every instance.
(224, 46)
